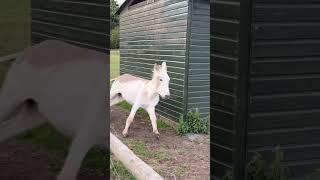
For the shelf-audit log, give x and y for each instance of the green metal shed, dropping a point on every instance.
(174, 31)
(266, 84)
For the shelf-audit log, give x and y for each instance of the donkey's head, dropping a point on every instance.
(161, 79)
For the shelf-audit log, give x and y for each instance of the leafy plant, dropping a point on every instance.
(279, 171)
(315, 175)
(115, 38)
(259, 169)
(193, 123)
(228, 176)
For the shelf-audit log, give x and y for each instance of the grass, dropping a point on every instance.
(141, 150)
(114, 64)
(15, 26)
(119, 172)
(48, 138)
(180, 170)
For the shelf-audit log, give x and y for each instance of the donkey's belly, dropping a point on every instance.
(130, 98)
(64, 97)
(131, 91)
(65, 119)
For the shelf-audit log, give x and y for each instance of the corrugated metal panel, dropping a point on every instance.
(224, 18)
(156, 32)
(83, 22)
(285, 76)
(199, 58)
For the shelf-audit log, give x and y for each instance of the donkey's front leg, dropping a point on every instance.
(129, 120)
(79, 148)
(153, 118)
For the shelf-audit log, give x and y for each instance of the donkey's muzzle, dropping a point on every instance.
(166, 97)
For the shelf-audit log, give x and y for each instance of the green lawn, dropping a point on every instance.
(114, 63)
(15, 26)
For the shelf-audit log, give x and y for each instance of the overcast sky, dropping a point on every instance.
(120, 2)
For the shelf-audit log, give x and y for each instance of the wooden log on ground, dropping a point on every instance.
(135, 165)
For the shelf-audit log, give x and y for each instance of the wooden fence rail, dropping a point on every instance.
(135, 165)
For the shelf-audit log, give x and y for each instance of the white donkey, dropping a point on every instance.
(141, 93)
(67, 83)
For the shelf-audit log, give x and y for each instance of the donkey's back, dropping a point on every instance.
(128, 87)
(61, 78)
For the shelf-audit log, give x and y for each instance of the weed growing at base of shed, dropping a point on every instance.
(193, 123)
(259, 169)
(228, 176)
(315, 175)
(279, 170)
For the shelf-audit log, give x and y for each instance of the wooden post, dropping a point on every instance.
(135, 165)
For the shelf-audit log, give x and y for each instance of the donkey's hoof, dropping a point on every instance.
(125, 134)
(157, 135)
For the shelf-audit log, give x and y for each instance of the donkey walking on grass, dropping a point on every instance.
(141, 93)
(61, 84)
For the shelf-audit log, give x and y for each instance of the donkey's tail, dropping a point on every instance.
(111, 80)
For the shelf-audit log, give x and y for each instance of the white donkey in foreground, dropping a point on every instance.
(141, 93)
(67, 85)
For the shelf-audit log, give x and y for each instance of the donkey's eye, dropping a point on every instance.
(161, 79)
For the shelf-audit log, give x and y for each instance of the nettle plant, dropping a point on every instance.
(193, 123)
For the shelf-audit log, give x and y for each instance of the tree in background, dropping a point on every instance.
(115, 39)
(114, 18)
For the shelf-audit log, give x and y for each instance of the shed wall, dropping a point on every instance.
(154, 33)
(199, 58)
(224, 66)
(284, 90)
(84, 23)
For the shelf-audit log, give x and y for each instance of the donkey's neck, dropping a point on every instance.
(152, 87)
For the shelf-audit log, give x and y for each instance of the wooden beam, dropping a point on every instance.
(135, 165)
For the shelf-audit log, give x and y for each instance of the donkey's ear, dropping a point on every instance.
(164, 66)
(155, 67)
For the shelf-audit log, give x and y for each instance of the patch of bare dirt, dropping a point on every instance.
(22, 161)
(172, 156)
